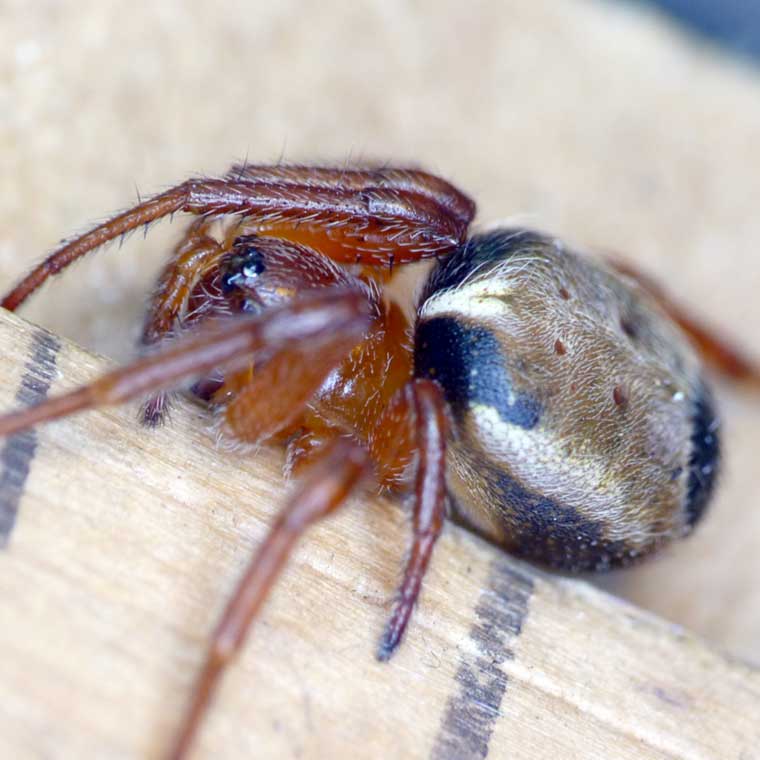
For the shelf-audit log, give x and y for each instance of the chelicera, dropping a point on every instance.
(553, 403)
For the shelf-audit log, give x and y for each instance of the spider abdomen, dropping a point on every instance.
(584, 436)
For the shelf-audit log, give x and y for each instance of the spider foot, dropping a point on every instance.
(155, 411)
(394, 631)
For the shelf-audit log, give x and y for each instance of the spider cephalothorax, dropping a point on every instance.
(554, 402)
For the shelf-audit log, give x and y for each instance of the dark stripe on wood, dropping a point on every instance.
(18, 450)
(471, 713)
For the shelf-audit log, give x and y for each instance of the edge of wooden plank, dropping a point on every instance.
(501, 658)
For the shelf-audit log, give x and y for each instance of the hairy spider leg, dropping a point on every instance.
(376, 410)
(194, 256)
(315, 319)
(413, 180)
(424, 399)
(260, 404)
(716, 351)
(326, 486)
(376, 225)
(324, 323)
(330, 477)
(365, 181)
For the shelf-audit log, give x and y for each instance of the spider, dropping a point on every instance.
(554, 403)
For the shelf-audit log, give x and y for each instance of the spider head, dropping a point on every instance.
(261, 271)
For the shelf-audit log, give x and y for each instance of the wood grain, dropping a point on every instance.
(127, 542)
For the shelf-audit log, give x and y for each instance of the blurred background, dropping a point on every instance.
(630, 127)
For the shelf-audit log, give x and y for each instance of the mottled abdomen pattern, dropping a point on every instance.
(584, 435)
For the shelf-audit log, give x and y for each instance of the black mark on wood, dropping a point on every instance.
(18, 450)
(471, 713)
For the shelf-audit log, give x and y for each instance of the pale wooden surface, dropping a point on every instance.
(128, 542)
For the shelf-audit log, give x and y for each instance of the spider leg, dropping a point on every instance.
(314, 320)
(143, 213)
(351, 221)
(273, 397)
(197, 286)
(363, 180)
(426, 402)
(196, 254)
(304, 445)
(325, 487)
(717, 352)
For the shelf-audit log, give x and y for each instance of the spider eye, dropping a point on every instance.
(245, 265)
(230, 282)
(253, 268)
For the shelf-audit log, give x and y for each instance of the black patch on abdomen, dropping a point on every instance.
(705, 456)
(467, 362)
(546, 531)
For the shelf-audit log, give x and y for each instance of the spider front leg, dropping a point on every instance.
(330, 478)
(375, 217)
(298, 344)
(423, 403)
(327, 485)
(317, 321)
(196, 255)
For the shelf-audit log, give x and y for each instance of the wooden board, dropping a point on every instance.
(123, 544)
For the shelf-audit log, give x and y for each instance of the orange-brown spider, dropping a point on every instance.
(552, 402)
